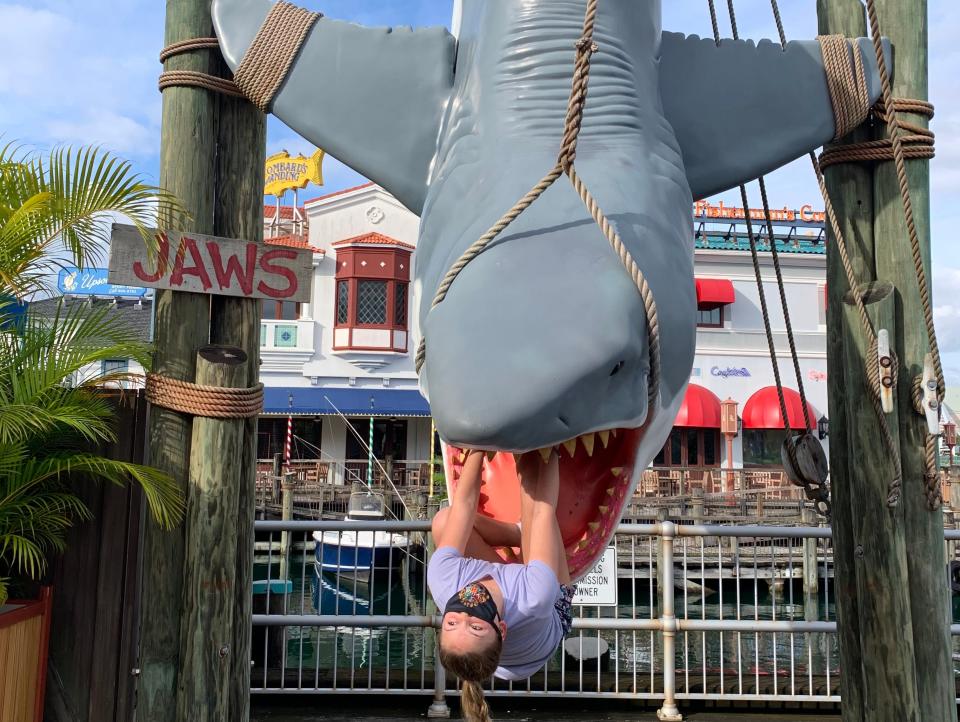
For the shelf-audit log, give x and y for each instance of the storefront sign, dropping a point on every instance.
(598, 587)
(206, 264)
(284, 173)
(806, 214)
(93, 282)
(730, 371)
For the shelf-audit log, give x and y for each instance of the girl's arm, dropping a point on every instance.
(463, 507)
(540, 489)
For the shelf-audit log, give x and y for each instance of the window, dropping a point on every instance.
(400, 305)
(114, 366)
(761, 447)
(372, 295)
(280, 310)
(371, 303)
(690, 447)
(343, 302)
(710, 317)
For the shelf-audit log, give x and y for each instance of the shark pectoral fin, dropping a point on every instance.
(742, 109)
(371, 97)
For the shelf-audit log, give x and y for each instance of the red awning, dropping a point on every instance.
(762, 410)
(700, 410)
(714, 292)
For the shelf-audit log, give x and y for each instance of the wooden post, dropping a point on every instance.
(286, 514)
(238, 213)
(210, 564)
(811, 580)
(187, 162)
(905, 23)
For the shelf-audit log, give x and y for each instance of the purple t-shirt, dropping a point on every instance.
(529, 594)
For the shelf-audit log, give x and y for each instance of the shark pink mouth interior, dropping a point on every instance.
(596, 480)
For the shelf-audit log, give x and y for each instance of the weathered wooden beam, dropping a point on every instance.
(880, 551)
(851, 190)
(242, 140)
(905, 23)
(187, 162)
(210, 558)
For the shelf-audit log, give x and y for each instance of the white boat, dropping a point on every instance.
(360, 555)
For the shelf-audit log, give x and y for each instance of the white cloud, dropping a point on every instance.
(104, 127)
(946, 308)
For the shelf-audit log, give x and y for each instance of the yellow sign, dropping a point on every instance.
(285, 173)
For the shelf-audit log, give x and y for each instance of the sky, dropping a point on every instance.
(85, 73)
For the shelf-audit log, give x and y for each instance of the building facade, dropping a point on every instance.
(342, 365)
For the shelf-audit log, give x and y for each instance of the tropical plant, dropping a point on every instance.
(55, 210)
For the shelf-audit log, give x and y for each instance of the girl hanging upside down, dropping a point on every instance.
(503, 619)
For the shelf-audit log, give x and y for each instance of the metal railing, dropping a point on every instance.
(704, 612)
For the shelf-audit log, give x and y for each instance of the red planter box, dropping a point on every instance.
(24, 635)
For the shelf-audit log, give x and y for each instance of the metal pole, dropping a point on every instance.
(668, 712)
(433, 451)
(439, 709)
(370, 450)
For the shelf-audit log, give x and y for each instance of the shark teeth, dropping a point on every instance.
(571, 446)
(604, 437)
(490, 455)
(545, 453)
(588, 441)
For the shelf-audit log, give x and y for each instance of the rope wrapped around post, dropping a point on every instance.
(213, 402)
(585, 48)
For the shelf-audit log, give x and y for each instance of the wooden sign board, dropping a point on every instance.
(207, 264)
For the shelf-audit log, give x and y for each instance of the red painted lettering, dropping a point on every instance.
(163, 251)
(266, 265)
(244, 275)
(197, 269)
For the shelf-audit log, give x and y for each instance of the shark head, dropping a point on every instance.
(542, 343)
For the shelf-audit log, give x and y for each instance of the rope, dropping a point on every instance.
(185, 46)
(894, 486)
(816, 492)
(268, 59)
(848, 90)
(918, 143)
(895, 128)
(194, 78)
(585, 48)
(212, 402)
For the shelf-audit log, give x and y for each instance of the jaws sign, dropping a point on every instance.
(206, 264)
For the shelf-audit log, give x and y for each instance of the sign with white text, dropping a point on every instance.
(207, 264)
(93, 282)
(598, 587)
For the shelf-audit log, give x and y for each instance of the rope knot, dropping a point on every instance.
(587, 45)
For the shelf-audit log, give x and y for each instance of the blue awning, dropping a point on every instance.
(349, 402)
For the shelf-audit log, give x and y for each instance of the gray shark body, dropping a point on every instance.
(543, 336)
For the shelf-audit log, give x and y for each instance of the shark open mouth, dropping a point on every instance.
(597, 475)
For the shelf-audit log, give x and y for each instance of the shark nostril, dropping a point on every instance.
(564, 420)
(616, 369)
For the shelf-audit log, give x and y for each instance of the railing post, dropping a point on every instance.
(439, 709)
(668, 712)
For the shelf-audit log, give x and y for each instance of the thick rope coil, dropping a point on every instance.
(268, 59)
(847, 82)
(585, 48)
(194, 78)
(919, 143)
(212, 402)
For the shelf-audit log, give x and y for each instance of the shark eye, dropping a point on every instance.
(616, 369)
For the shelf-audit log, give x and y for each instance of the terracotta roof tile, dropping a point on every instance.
(291, 241)
(286, 212)
(373, 239)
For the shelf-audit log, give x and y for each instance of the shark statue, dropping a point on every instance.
(542, 341)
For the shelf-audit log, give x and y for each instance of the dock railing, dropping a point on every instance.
(703, 612)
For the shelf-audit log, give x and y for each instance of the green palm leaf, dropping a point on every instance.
(55, 210)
